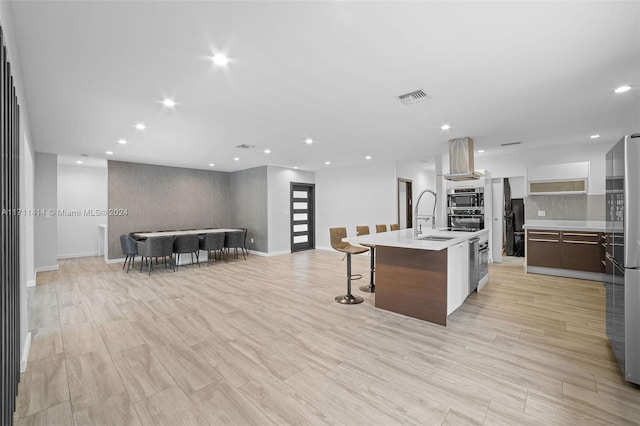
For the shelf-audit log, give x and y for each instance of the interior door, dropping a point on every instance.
(405, 203)
(302, 216)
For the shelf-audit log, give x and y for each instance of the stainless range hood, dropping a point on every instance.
(461, 165)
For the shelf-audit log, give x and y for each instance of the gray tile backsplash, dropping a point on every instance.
(565, 207)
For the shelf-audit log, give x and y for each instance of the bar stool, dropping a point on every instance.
(337, 234)
(381, 228)
(371, 288)
(395, 226)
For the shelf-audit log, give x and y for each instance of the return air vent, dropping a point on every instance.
(413, 97)
(510, 143)
(245, 146)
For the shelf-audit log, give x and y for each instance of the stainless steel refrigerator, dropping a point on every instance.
(622, 262)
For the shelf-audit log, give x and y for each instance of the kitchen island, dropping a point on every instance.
(424, 277)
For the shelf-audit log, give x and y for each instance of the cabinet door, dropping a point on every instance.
(543, 249)
(581, 251)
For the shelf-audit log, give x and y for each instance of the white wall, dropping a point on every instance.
(28, 222)
(421, 179)
(517, 185)
(354, 196)
(278, 206)
(80, 189)
(46, 199)
(513, 162)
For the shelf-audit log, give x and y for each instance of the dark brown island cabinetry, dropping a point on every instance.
(575, 254)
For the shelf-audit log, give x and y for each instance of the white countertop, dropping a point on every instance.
(569, 225)
(404, 238)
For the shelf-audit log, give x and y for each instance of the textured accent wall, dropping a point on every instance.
(565, 207)
(249, 205)
(160, 198)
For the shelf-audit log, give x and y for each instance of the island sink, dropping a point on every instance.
(434, 238)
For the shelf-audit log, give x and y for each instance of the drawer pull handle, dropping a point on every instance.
(579, 235)
(543, 233)
(543, 240)
(579, 242)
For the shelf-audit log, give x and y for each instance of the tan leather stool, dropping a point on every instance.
(337, 234)
(395, 226)
(381, 228)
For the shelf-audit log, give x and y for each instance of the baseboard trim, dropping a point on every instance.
(75, 255)
(121, 260)
(274, 253)
(566, 273)
(46, 268)
(31, 283)
(25, 353)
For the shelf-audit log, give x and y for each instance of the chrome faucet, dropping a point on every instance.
(417, 231)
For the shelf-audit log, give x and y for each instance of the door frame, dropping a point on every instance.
(407, 221)
(311, 218)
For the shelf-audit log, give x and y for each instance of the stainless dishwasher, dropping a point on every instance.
(474, 264)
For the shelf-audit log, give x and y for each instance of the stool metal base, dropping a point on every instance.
(371, 288)
(368, 288)
(349, 299)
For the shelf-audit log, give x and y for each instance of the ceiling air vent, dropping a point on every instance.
(245, 146)
(413, 97)
(510, 143)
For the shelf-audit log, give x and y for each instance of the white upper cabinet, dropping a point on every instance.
(555, 179)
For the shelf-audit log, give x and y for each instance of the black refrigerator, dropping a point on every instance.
(622, 259)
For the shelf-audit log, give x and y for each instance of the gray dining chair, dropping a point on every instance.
(183, 244)
(213, 242)
(129, 249)
(235, 240)
(156, 247)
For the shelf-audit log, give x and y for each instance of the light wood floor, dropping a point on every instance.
(262, 342)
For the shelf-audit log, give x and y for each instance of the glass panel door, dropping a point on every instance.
(302, 216)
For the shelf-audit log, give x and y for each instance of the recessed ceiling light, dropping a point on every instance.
(220, 60)
(79, 161)
(594, 136)
(267, 151)
(308, 141)
(169, 103)
(445, 127)
(140, 126)
(327, 162)
(295, 167)
(122, 142)
(211, 164)
(481, 151)
(109, 152)
(368, 157)
(236, 158)
(622, 89)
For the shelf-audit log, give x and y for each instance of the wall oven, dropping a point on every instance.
(465, 209)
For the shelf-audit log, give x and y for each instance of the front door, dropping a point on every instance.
(302, 216)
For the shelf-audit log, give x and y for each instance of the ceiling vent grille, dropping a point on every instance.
(510, 143)
(245, 146)
(413, 97)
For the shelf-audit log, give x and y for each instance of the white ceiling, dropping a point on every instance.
(541, 73)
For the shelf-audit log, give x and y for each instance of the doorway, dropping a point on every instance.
(405, 203)
(302, 216)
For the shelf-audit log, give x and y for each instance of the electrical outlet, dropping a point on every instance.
(542, 213)
(252, 241)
